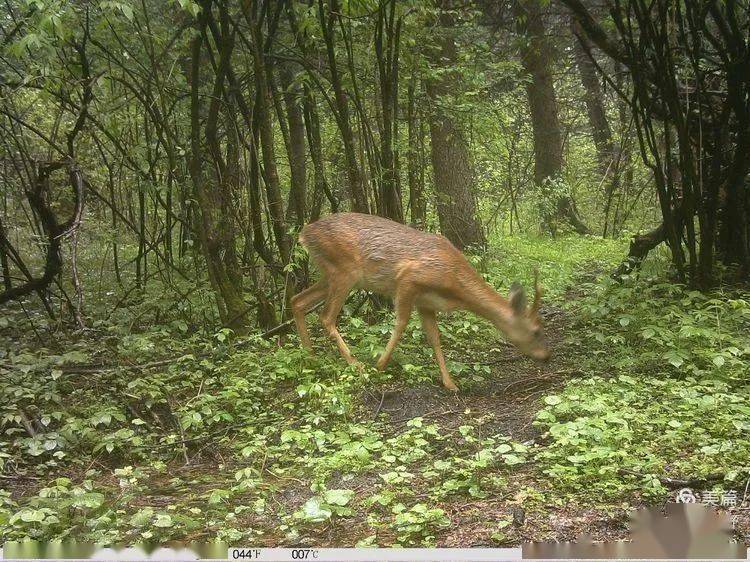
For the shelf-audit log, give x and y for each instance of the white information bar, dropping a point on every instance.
(375, 554)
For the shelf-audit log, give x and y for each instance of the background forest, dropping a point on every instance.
(157, 160)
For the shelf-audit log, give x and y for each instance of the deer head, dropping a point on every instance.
(522, 324)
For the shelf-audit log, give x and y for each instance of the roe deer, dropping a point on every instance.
(353, 250)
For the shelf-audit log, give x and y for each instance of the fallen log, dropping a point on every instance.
(677, 482)
(640, 246)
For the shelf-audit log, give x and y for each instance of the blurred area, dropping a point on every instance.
(36, 550)
(681, 531)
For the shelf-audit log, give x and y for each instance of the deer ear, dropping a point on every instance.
(517, 298)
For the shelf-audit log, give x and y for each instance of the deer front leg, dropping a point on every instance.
(302, 303)
(337, 294)
(430, 327)
(403, 303)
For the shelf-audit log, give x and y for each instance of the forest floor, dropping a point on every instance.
(134, 432)
(506, 403)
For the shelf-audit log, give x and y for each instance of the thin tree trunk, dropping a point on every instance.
(593, 98)
(312, 127)
(265, 126)
(387, 63)
(354, 174)
(414, 164)
(601, 132)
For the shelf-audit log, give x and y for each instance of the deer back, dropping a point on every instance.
(378, 252)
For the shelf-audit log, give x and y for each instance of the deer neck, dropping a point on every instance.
(484, 301)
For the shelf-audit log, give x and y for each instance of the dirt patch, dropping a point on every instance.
(742, 525)
(489, 413)
(479, 525)
(19, 485)
(505, 402)
(357, 482)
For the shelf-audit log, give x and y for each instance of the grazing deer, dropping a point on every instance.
(353, 250)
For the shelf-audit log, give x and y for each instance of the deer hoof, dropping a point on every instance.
(450, 385)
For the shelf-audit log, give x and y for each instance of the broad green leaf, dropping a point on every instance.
(338, 497)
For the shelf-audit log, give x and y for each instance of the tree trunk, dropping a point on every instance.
(296, 150)
(689, 86)
(640, 246)
(387, 64)
(453, 173)
(211, 233)
(593, 98)
(4, 265)
(610, 162)
(265, 127)
(536, 58)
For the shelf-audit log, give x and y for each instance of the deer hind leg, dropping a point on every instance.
(403, 304)
(430, 327)
(337, 293)
(302, 303)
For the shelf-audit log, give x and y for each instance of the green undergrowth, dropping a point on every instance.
(172, 432)
(664, 391)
